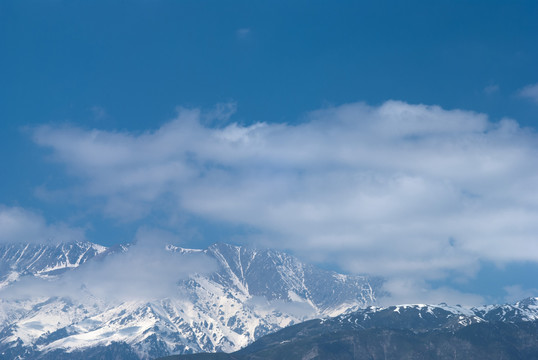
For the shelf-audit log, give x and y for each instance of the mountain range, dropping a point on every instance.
(403, 332)
(63, 301)
(247, 294)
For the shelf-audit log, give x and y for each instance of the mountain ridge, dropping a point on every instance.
(411, 331)
(251, 293)
(43, 259)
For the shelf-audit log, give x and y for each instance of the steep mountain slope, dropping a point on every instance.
(274, 275)
(404, 332)
(250, 294)
(43, 260)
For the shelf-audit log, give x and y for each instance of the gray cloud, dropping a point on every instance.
(400, 189)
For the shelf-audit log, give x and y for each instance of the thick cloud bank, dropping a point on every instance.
(397, 189)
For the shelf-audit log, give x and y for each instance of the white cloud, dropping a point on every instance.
(517, 292)
(20, 225)
(530, 92)
(147, 271)
(397, 189)
(413, 291)
(299, 309)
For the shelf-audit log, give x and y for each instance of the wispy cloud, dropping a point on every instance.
(530, 92)
(147, 271)
(412, 291)
(99, 112)
(21, 225)
(492, 89)
(242, 33)
(517, 292)
(396, 189)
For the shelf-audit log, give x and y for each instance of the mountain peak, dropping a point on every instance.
(47, 259)
(251, 293)
(528, 302)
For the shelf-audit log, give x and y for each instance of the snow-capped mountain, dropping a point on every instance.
(249, 293)
(415, 331)
(43, 260)
(421, 317)
(525, 310)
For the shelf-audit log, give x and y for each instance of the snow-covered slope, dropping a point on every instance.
(525, 310)
(414, 331)
(275, 276)
(43, 260)
(251, 293)
(421, 317)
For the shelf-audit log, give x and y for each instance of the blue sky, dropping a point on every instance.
(274, 105)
